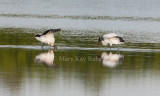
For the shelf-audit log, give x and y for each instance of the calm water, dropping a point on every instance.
(78, 67)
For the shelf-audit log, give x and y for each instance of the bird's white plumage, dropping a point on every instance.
(110, 35)
(111, 39)
(111, 60)
(48, 39)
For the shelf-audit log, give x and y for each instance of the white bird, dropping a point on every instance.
(46, 58)
(47, 37)
(111, 39)
(111, 60)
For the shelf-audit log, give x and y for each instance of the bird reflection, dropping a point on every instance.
(111, 60)
(46, 58)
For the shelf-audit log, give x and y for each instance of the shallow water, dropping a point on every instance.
(75, 72)
(78, 67)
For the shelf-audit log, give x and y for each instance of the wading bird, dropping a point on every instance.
(47, 37)
(111, 39)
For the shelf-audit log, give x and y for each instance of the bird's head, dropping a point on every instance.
(99, 40)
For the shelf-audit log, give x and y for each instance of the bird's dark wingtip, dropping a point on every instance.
(37, 35)
(121, 39)
(51, 30)
(54, 30)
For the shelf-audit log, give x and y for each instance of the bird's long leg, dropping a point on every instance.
(42, 45)
(55, 47)
(50, 47)
(110, 47)
(118, 47)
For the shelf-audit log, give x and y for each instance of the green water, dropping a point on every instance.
(76, 67)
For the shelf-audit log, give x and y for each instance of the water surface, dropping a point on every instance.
(78, 67)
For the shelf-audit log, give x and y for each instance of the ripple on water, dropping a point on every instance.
(31, 47)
